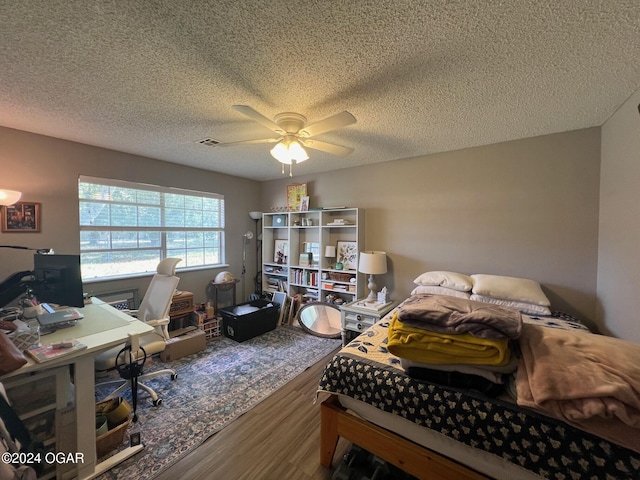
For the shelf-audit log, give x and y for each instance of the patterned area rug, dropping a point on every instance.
(214, 387)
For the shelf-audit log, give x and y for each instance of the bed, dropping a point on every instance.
(436, 431)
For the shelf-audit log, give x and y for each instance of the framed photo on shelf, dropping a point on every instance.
(347, 254)
(304, 204)
(23, 217)
(305, 259)
(280, 248)
(295, 192)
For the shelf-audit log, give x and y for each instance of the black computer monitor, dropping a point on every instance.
(58, 280)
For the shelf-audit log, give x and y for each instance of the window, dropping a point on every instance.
(127, 228)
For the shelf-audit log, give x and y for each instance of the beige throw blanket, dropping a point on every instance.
(589, 381)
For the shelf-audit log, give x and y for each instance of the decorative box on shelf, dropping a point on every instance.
(181, 304)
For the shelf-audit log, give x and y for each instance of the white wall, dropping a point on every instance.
(619, 239)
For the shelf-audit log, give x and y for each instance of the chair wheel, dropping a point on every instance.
(174, 376)
(135, 417)
(157, 403)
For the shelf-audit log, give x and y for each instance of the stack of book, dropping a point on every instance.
(338, 222)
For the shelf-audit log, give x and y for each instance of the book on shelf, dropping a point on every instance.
(55, 350)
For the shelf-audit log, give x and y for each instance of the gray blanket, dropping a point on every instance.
(445, 314)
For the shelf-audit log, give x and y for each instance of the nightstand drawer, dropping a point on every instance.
(358, 321)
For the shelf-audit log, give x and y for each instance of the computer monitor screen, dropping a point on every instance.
(58, 280)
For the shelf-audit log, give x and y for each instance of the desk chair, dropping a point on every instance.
(154, 310)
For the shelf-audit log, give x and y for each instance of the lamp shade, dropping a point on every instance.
(255, 215)
(330, 251)
(9, 197)
(372, 262)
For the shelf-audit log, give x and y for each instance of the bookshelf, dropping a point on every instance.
(293, 249)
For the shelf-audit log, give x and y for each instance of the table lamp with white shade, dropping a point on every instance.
(372, 262)
(330, 252)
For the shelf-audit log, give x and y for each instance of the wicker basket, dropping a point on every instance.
(111, 440)
(339, 277)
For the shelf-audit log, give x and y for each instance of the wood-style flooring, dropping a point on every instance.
(278, 439)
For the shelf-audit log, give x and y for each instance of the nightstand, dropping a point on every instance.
(356, 318)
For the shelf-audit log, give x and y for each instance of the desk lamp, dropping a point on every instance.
(372, 263)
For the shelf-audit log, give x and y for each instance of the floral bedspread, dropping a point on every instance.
(366, 371)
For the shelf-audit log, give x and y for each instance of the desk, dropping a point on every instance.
(90, 331)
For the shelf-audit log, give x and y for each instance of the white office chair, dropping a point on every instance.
(154, 310)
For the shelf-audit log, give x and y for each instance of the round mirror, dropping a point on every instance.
(321, 319)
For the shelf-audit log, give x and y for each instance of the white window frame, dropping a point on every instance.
(213, 246)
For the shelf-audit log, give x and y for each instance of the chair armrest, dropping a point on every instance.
(161, 324)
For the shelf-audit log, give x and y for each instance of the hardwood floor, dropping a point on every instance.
(277, 439)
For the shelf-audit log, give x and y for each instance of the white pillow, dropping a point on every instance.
(523, 307)
(435, 290)
(456, 281)
(509, 288)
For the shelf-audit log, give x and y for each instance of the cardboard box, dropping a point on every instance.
(182, 343)
(241, 327)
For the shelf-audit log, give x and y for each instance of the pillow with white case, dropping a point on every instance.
(453, 280)
(509, 288)
(523, 307)
(436, 290)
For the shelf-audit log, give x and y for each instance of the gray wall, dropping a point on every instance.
(46, 170)
(618, 259)
(527, 208)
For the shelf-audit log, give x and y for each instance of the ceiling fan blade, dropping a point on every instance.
(248, 142)
(338, 120)
(331, 148)
(258, 117)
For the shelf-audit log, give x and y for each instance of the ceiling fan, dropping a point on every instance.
(293, 134)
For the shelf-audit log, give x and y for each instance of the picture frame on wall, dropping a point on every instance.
(23, 217)
(295, 192)
(347, 254)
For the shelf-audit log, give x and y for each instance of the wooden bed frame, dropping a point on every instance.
(408, 456)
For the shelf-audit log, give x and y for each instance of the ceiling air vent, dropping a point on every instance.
(210, 142)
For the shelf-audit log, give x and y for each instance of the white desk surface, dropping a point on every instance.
(97, 338)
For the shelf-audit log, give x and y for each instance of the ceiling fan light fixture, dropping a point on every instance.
(281, 153)
(288, 150)
(298, 153)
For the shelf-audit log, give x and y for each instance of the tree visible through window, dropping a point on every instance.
(127, 228)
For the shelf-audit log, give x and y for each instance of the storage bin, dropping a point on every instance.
(115, 436)
(250, 319)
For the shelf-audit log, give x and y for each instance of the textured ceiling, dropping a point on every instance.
(154, 77)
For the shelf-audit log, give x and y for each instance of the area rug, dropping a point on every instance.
(213, 388)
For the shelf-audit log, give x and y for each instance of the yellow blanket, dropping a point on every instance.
(425, 346)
